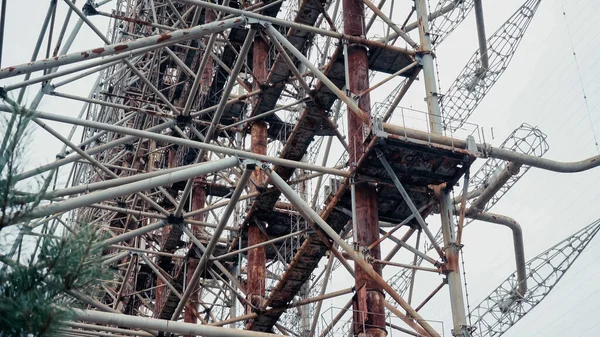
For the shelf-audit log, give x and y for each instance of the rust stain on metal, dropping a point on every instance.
(10, 69)
(121, 47)
(85, 54)
(98, 50)
(164, 37)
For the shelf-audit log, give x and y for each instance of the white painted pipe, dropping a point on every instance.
(126, 189)
(162, 325)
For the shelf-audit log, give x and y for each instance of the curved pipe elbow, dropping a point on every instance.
(517, 241)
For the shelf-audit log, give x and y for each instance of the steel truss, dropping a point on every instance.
(216, 156)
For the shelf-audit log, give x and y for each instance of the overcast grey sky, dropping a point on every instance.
(543, 87)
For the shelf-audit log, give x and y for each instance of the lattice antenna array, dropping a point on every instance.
(474, 82)
(503, 308)
(442, 27)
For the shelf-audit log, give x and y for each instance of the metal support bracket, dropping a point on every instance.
(472, 146)
(377, 128)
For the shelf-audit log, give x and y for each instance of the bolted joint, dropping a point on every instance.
(175, 220)
(256, 25)
(89, 9)
(368, 257)
(421, 53)
(259, 24)
(121, 204)
(183, 121)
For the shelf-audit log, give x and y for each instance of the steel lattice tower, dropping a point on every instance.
(235, 155)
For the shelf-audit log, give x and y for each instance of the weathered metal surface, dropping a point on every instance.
(419, 163)
(389, 61)
(298, 272)
(257, 258)
(308, 12)
(236, 37)
(365, 211)
(198, 202)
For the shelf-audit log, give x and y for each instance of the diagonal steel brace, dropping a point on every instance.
(409, 201)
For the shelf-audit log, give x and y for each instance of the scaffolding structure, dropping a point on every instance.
(234, 155)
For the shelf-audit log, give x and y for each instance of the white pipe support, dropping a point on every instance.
(158, 41)
(162, 325)
(92, 151)
(126, 189)
(107, 329)
(431, 90)
(169, 139)
(546, 164)
(111, 183)
(494, 186)
(115, 258)
(130, 235)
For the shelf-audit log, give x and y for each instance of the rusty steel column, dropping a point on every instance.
(207, 74)
(199, 189)
(257, 257)
(162, 291)
(198, 202)
(367, 222)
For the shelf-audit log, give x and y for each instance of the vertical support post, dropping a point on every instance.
(483, 54)
(452, 268)
(426, 55)
(304, 291)
(161, 290)
(257, 257)
(365, 196)
(198, 202)
(2, 21)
